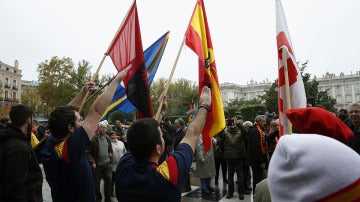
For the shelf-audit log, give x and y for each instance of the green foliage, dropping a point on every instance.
(325, 101)
(29, 97)
(271, 97)
(121, 117)
(318, 99)
(234, 106)
(249, 112)
(60, 80)
(180, 92)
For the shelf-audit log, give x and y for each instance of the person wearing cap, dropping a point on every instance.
(301, 169)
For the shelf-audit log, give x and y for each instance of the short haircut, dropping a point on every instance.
(343, 110)
(353, 105)
(260, 117)
(19, 114)
(142, 138)
(60, 118)
(180, 121)
(248, 123)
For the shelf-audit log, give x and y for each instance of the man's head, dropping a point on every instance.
(145, 140)
(247, 125)
(179, 123)
(4, 120)
(354, 113)
(342, 114)
(64, 120)
(229, 122)
(260, 120)
(274, 125)
(21, 117)
(102, 128)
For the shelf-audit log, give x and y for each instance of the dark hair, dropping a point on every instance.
(343, 110)
(19, 114)
(4, 120)
(229, 122)
(142, 138)
(180, 121)
(60, 118)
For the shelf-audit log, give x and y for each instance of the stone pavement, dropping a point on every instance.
(194, 195)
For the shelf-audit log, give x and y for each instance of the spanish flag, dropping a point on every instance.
(199, 40)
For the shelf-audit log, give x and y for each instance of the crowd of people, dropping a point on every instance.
(153, 162)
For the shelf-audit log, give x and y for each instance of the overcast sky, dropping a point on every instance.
(325, 32)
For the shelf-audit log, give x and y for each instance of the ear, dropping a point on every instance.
(158, 149)
(71, 128)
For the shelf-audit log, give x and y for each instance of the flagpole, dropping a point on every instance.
(169, 80)
(287, 88)
(106, 54)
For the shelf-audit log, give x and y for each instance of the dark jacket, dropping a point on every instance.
(232, 140)
(20, 176)
(92, 152)
(255, 157)
(179, 135)
(355, 144)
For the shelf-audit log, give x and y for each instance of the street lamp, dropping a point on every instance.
(44, 103)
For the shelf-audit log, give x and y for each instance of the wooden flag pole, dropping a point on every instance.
(106, 54)
(169, 80)
(287, 87)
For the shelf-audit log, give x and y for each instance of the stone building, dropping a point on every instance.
(10, 83)
(344, 88)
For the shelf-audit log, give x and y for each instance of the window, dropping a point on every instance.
(6, 81)
(348, 98)
(338, 99)
(14, 84)
(14, 95)
(6, 94)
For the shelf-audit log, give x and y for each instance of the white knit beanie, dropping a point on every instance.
(310, 167)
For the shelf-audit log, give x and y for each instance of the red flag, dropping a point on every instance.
(199, 40)
(297, 90)
(127, 50)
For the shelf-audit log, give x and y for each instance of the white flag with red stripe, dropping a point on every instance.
(297, 91)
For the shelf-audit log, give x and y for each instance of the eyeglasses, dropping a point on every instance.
(354, 112)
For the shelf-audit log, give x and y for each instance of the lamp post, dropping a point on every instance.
(44, 103)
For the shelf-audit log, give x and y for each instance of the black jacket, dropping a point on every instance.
(20, 176)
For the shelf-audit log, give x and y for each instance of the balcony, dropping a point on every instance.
(13, 100)
(14, 87)
(7, 85)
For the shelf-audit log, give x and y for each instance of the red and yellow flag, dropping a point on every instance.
(199, 40)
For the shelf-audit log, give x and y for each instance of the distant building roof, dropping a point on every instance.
(29, 83)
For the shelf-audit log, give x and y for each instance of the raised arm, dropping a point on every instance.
(88, 87)
(194, 129)
(164, 106)
(101, 103)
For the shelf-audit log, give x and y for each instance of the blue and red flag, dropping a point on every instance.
(152, 57)
(126, 50)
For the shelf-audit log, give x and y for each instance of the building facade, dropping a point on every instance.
(10, 83)
(344, 88)
(253, 89)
